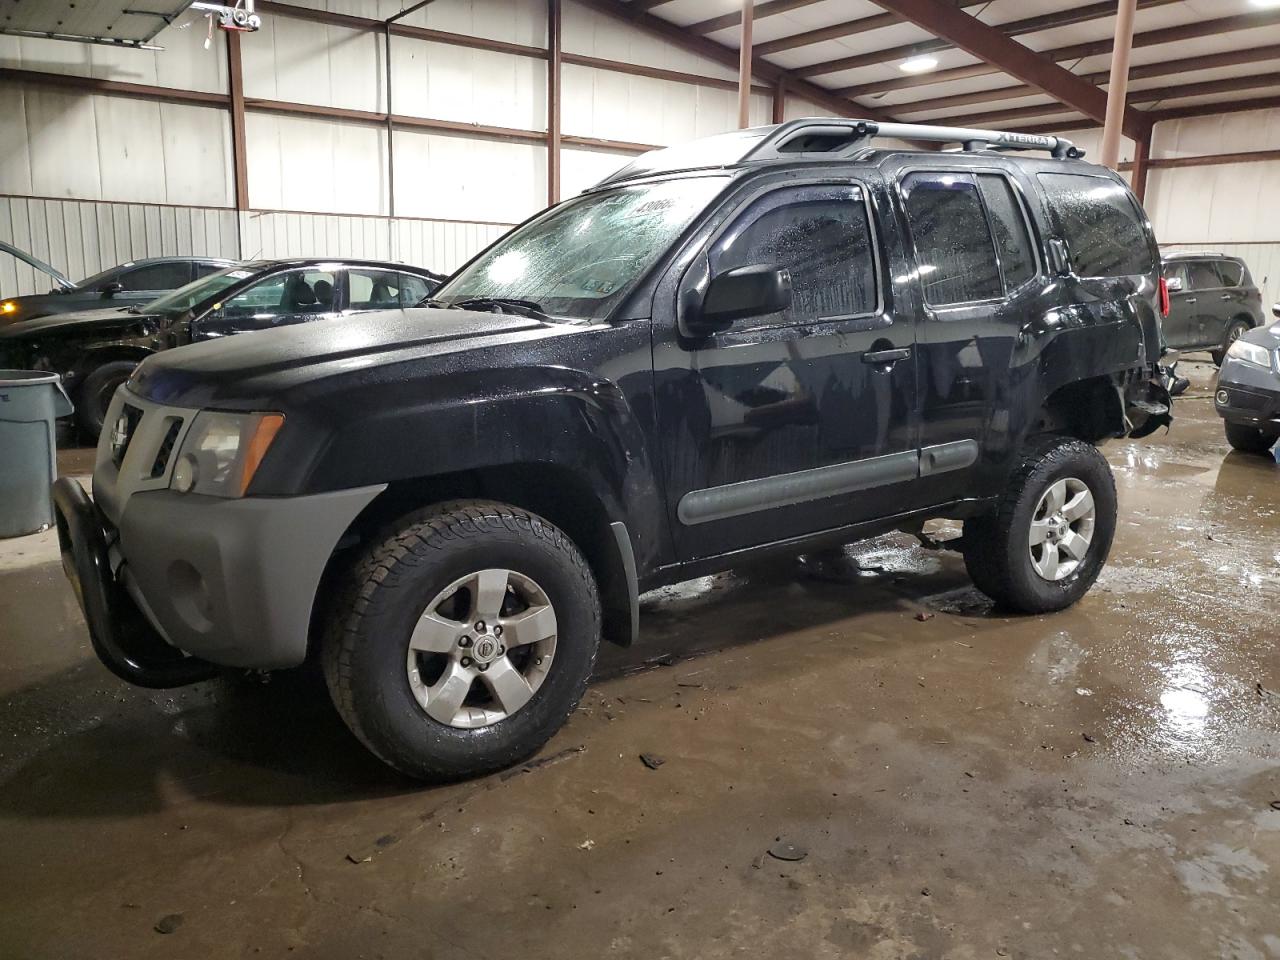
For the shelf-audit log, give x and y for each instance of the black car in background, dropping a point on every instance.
(1247, 396)
(135, 282)
(1212, 301)
(96, 350)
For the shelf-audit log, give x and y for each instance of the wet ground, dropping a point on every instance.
(1098, 783)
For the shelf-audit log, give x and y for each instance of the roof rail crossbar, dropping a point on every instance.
(834, 136)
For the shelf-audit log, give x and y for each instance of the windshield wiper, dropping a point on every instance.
(523, 308)
(134, 308)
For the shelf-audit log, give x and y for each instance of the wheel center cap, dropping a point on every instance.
(485, 649)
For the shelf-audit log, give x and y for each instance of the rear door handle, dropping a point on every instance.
(1190, 300)
(886, 357)
(1226, 296)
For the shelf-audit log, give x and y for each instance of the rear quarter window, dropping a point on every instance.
(1231, 272)
(1100, 223)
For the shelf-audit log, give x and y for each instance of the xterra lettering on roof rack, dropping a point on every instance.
(823, 138)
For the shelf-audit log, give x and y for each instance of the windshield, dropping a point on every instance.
(580, 259)
(184, 298)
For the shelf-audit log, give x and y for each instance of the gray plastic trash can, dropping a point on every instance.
(30, 403)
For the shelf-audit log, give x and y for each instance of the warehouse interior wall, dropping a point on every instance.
(90, 179)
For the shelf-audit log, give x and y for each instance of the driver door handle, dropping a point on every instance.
(882, 357)
(1226, 296)
(1190, 300)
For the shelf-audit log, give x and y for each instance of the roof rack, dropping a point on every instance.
(836, 136)
(823, 138)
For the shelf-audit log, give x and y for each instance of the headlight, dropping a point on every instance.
(222, 452)
(1250, 353)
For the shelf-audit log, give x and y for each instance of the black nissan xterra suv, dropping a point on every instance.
(775, 339)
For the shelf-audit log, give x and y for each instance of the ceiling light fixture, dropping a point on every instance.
(918, 64)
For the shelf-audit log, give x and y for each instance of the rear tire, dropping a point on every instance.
(417, 659)
(1044, 546)
(1234, 332)
(1250, 439)
(95, 393)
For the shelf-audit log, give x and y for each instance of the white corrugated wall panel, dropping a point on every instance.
(81, 238)
(512, 21)
(437, 245)
(309, 163)
(619, 106)
(580, 169)
(98, 147)
(447, 82)
(458, 178)
(305, 62)
(598, 35)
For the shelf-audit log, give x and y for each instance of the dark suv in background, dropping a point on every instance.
(777, 339)
(1212, 301)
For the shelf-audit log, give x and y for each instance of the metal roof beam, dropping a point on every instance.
(987, 43)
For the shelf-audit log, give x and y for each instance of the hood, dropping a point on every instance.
(59, 278)
(81, 321)
(249, 370)
(1268, 337)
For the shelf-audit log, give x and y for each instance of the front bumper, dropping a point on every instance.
(1248, 394)
(227, 582)
(168, 578)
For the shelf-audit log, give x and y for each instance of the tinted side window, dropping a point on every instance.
(1009, 224)
(955, 255)
(413, 289)
(1232, 273)
(204, 269)
(158, 276)
(821, 235)
(374, 289)
(1203, 275)
(285, 294)
(1175, 274)
(1100, 224)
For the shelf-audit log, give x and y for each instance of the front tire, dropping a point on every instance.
(95, 393)
(1044, 546)
(464, 640)
(1250, 439)
(1237, 329)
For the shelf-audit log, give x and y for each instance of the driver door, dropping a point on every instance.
(282, 299)
(796, 422)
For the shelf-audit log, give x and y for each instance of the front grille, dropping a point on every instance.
(166, 447)
(122, 432)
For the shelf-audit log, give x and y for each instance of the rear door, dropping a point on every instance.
(1179, 324)
(795, 422)
(1210, 309)
(282, 299)
(1237, 301)
(975, 272)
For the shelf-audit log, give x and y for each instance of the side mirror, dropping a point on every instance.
(1059, 259)
(751, 291)
(1173, 284)
(1275, 309)
(111, 289)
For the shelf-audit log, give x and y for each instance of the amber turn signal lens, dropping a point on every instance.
(260, 440)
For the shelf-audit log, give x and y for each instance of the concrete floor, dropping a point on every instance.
(1096, 783)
